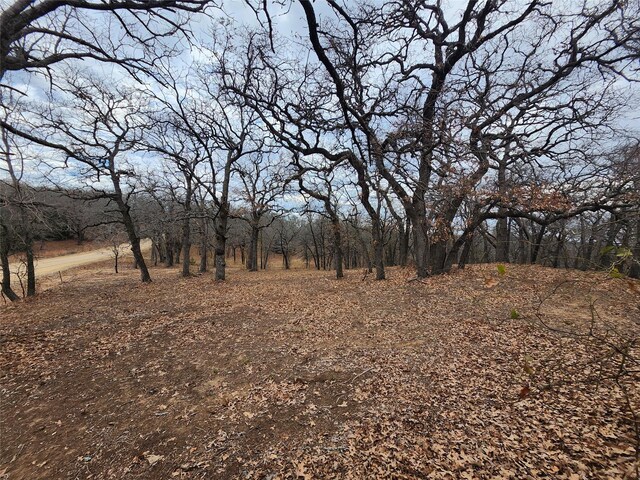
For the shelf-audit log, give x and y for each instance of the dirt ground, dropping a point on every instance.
(292, 374)
(48, 264)
(55, 248)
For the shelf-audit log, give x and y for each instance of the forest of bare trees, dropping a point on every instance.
(356, 135)
(308, 239)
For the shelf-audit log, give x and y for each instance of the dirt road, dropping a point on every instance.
(49, 266)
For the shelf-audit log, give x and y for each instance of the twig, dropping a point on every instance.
(360, 374)
(417, 279)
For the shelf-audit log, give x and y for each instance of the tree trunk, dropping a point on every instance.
(559, 245)
(27, 240)
(4, 257)
(264, 259)
(252, 257)
(31, 270)
(438, 256)
(588, 253)
(316, 250)
(131, 233)
(186, 230)
(186, 249)
(137, 254)
(466, 251)
(502, 224)
(178, 250)
(221, 243)
(451, 256)
(502, 240)
(186, 246)
(538, 243)
(378, 249)
(608, 256)
(154, 252)
(403, 243)
(524, 247)
(168, 252)
(337, 246)
(204, 247)
(634, 271)
(421, 246)
(323, 254)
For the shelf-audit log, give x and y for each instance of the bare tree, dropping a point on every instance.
(37, 35)
(264, 181)
(299, 109)
(96, 130)
(17, 200)
(179, 176)
(213, 130)
(431, 124)
(5, 243)
(287, 230)
(318, 182)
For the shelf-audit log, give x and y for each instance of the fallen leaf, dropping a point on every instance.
(490, 282)
(301, 471)
(153, 459)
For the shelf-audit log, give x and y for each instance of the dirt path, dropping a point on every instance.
(49, 266)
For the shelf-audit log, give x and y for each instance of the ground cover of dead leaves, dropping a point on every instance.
(294, 375)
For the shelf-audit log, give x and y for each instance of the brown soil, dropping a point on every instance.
(292, 374)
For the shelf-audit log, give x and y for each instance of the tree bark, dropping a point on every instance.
(130, 229)
(4, 257)
(607, 258)
(421, 246)
(466, 252)
(634, 271)
(502, 240)
(186, 232)
(538, 243)
(221, 242)
(403, 242)
(204, 246)
(558, 250)
(168, 252)
(337, 247)
(502, 224)
(438, 256)
(252, 254)
(31, 270)
(378, 248)
(177, 246)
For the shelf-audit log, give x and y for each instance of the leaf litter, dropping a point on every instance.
(294, 375)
